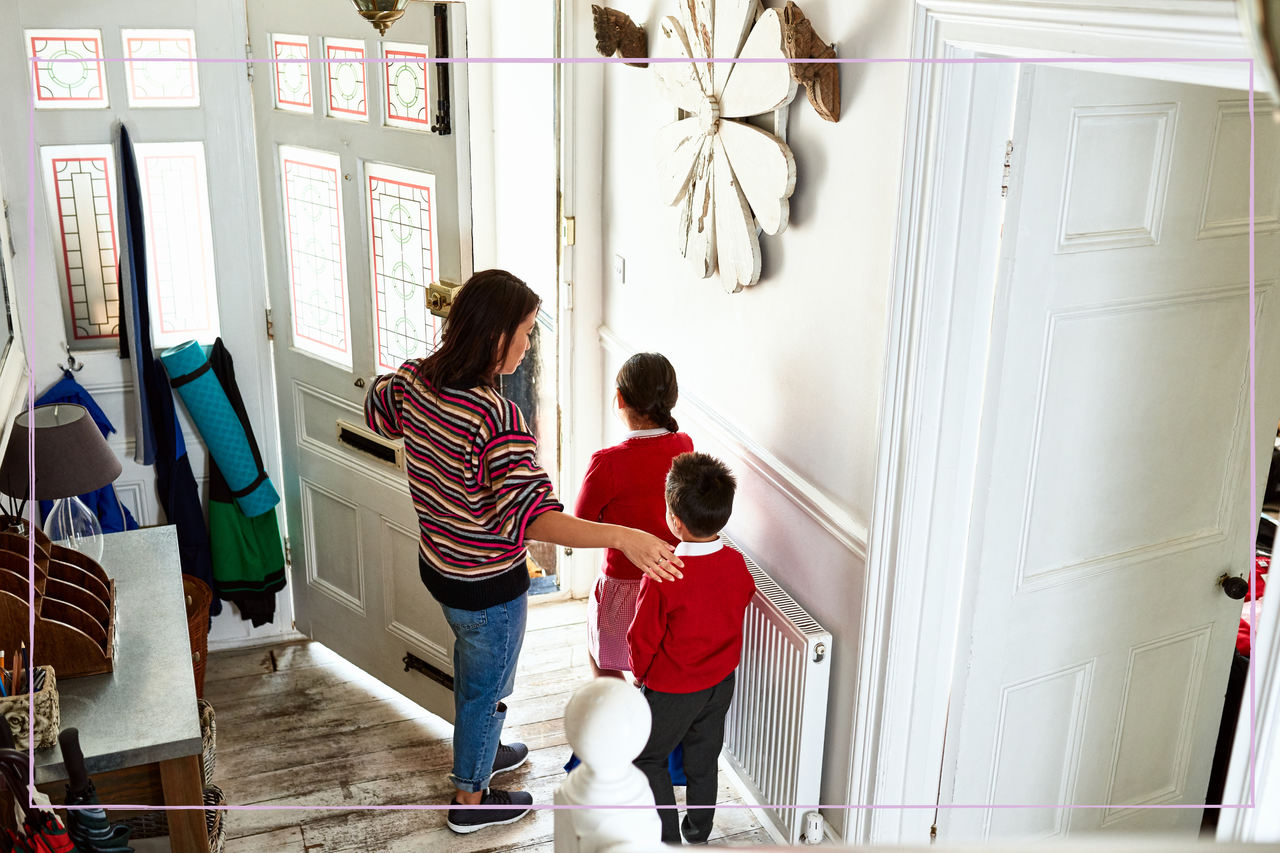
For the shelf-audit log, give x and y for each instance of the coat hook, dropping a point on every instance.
(72, 365)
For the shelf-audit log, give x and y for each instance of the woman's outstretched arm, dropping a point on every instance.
(649, 553)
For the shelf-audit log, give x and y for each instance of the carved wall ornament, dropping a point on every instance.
(727, 176)
(820, 79)
(617, 34)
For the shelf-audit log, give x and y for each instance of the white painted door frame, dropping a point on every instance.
(940, 315)
(581, 272)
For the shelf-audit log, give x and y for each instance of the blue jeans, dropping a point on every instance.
(485, 650)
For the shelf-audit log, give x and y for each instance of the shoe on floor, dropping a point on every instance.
(462, 819)
(509, 757)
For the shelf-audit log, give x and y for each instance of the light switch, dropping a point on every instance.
(620, 268)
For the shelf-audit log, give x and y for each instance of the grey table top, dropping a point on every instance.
(144, 711)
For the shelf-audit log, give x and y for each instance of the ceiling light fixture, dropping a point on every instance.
(381, 13)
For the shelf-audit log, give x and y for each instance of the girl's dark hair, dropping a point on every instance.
(648, 385)
(485, 313)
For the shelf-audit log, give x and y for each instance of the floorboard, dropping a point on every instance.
(300, 728)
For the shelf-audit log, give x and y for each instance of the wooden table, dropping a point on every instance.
(139, 725)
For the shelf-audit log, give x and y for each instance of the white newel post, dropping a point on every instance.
(607, 724)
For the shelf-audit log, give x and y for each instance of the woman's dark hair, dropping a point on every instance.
(485, 313)
(648, 385)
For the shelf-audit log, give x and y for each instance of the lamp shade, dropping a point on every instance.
(71, 456)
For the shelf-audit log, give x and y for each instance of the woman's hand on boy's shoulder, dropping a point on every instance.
(651, 555)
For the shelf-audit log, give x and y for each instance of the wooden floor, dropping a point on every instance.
(299, 726)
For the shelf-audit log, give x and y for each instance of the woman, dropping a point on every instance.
(480, 493)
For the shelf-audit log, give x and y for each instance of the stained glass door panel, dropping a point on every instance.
(157, 76)
(79, 185)
(402, 210)
(317, 267)
(407, 86)
(68, 73)
(345, 75)
(292, 79)
(175, 198)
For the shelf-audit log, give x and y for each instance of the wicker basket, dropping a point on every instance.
(199, 597)
(214, 819)
(209, 739)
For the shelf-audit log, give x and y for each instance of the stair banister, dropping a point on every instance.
(607, 724)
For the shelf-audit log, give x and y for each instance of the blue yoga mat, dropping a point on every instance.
(219, 426)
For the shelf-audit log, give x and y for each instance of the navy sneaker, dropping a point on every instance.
(463, 819)
(509, 757)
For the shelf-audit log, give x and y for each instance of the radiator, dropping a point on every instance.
(777, 724)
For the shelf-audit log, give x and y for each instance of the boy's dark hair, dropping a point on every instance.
(700, 493)
(647, 382)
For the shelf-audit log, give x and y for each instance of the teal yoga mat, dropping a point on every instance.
(191, 376)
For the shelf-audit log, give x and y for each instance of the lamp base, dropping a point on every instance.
(73, 525)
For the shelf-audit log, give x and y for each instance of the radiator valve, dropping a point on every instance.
(812, 828)
(819, 652)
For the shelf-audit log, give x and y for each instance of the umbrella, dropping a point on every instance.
(41, 831)
(89, 828)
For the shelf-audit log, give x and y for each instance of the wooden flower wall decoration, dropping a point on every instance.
(727, 176)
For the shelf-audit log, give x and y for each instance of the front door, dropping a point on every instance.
(365, 187)
(1116, 491)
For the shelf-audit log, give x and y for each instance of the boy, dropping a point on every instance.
(686, 641)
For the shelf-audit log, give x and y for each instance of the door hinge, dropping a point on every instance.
(288, 553)
(271, 327)
(248, 55)
(568, 231)
(1008, 166)
(933, 834)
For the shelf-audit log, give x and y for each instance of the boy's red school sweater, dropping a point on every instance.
(687, 634)
(626, 484)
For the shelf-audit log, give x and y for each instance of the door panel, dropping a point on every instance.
(1115, 437)
(364, 206)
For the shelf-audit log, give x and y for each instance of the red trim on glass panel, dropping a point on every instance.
(62, 233)
(97, 66)
(155, 273)
(329, 75)
(306, 54)
(133, 44)
(426, 98)
(293, 285)
(373, 241)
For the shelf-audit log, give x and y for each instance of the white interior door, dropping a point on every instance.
(1114, 488)
(365, 203)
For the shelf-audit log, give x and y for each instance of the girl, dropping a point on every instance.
(624, 485)
(479, 493)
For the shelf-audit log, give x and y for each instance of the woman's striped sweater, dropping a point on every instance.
(475, 479)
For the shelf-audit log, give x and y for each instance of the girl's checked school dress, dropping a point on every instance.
(625, 485)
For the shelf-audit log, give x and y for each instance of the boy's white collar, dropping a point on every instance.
(698, 549)
(645, 433)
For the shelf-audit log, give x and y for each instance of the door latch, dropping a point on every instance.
(440, 296)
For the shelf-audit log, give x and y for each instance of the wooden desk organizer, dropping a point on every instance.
(74, 603)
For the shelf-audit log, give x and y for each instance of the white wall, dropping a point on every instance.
(783, 379)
